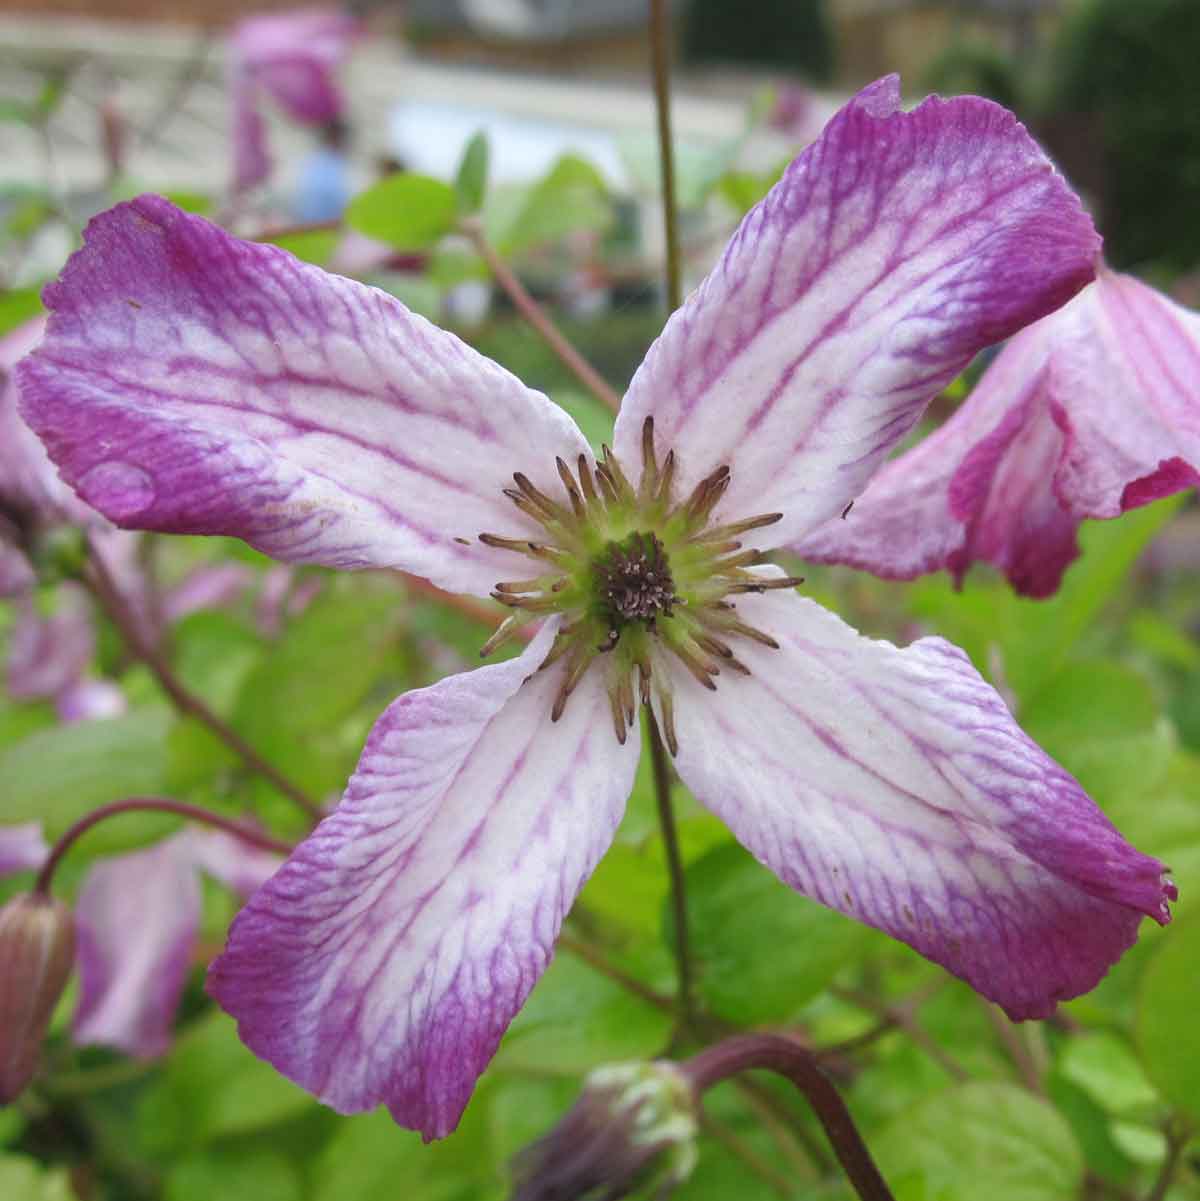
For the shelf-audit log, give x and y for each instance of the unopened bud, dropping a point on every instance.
(37, 948)
(634, 1126)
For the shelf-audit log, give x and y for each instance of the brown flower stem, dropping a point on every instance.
(1178, 1134)
(900, 1016)
(108, 595)
(68, 838)
(660, 49)
(661, 766)
(537, 317)
(786, 1057)
(1015, 1045)
(594, 957)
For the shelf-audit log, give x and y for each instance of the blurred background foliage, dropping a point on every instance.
(957, 1104)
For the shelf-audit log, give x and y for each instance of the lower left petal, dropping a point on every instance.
(386, 958)
(894, 786)
(137, 920)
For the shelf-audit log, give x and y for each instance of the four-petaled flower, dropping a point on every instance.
(1090, 412)
(194, 383)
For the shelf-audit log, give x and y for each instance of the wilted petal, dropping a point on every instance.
(22, 848)
(138, 916)
(893, 248)
(1092, 411)
(387, 957)
(237, 864)
(194, 383)
(47, 654)
(894, 785)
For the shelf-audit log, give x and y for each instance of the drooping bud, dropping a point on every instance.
(634, 1126)
(37, 948)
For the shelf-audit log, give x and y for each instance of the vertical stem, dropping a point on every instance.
(666, 819)
(660, 46)
(538, 318)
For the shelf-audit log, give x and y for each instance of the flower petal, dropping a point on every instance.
(91, 700)
(22, 848)
(892, 249)
(193, 383)
(894, 786)
(385, 960)
(237, 864)
(137, 919)
(48, 654)
(1092, 411)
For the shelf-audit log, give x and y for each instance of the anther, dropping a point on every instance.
(731, 530)
(768, 584)
(666, 705)
(623, 487)
(501, 634)
(574, 674)
(666, 479)
(535, 496)
(585, 479)
(649, 481)
(564, 474)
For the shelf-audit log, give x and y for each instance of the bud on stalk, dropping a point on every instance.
(37, 948)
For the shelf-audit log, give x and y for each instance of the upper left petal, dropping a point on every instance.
(190, 382)
(894, 785)
(895, 247)
(386, 958)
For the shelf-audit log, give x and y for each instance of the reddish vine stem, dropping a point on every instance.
(108, 595)
(787, 1058)
(538, 318)
(660, 46)
(45, 876)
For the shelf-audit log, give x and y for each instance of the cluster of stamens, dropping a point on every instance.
(634, 572)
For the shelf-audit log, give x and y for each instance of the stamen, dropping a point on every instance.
(551, 508)
(649, 483)
(666, 705)
(702, 671)
(501, 634)
(625, 695)
(748, 558)
(564, 474)
(766, 585)
(714, 646)
(585, 478)
(734, 528)
(643, 666)
(574, 674)
(618, 715)
(712, 497)
(624, 488)
(746, 631)
(531, 604)
(606, 483)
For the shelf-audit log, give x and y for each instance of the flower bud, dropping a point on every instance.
(633, 1126)
(37, 947)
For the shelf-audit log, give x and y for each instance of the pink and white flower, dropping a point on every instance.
(293, 58)
(193, 383)
(1091, 412)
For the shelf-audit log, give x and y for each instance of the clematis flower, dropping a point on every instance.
(190, 382)
(1091, 412)
(137, 923)
(292, 57)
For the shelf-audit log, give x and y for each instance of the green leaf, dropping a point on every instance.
(15, 112)
(57, 775)
(309, 245)
(406, 210)
(192, 202)
(980, 1142)
(1168, 1034)
(470, 184)
(1105, 1067)
(17, 307)
(571, 196)
(211, 1087)
(576, 1018)
(233, 1174)
(25, 1179)
(760, 949)
(744, 189)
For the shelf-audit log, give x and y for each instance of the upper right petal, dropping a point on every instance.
(190, 382)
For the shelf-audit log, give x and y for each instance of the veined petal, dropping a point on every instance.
(237, 864)
(137, 919)
(893, 248)
(1092, 411)
(385, 960)
(193, 383)
(894, 786)
(22, 848)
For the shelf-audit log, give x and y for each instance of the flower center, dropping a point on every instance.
(635, 573)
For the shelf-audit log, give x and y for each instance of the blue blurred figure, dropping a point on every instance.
(323, 186)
